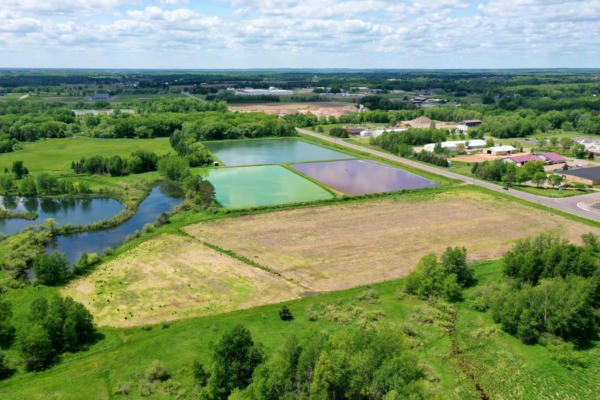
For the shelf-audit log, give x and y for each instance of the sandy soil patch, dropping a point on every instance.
(171, 277)
(475, 158)
(337, 247)
(320, 109)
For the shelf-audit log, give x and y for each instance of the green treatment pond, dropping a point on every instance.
(269, 185)
(271, 151)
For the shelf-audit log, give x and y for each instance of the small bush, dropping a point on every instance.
(107, 251)
(408, 330)
(285, 314)
(157, 372)
(93, 258)
(5, 370)
(123, 389)
(369, 295)
(200, 373)
(148, 228)
(485, 332)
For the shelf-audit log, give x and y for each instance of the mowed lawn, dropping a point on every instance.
(342, 246)
(56, 155)
(173, 277)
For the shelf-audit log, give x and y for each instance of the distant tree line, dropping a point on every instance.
(19, 181)
(139, 162)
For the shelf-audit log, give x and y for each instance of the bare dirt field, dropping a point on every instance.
(320, 109)
(342, 246)
(480, 157)
(172, 277)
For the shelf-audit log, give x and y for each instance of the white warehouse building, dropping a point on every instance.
(453, 146)
(272, 91)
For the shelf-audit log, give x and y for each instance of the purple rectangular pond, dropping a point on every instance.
(362, 176)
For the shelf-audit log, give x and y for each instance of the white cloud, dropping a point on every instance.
(50, 7)
(342, 32)
(165, 3)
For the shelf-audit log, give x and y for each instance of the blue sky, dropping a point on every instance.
(300, 34)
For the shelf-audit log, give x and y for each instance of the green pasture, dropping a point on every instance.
(56, 155)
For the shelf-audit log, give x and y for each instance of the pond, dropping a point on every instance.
(161, 199)
(362, 176)
(64, 211)
(270, 151)
(267, 185)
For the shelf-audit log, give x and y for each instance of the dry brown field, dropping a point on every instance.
(480, 157)
(319, 109)
(341, 246)
(173, 277)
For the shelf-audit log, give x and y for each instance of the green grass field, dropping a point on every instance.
(56, 155)
(501, 365)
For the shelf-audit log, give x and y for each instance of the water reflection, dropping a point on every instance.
(161, 199)
(362, 176)
(271, 151)
(64, 211)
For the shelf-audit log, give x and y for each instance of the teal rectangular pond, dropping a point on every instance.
(271, 151)
(269, 185)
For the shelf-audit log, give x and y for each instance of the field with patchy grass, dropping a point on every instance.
(337, 247)
(174, 277)
(56, 155)
(501, 365)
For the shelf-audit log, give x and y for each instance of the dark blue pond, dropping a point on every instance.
(161, 199)
(362, 176)
(64, 211)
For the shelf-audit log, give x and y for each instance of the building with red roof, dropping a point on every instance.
(553, 158)
(521, 160)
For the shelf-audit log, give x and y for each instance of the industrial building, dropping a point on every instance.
(272, 91)
(501, 150)
(464, 126)
(587, 176)
(453, 146)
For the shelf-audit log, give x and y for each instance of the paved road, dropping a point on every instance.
(188, 94)
(567, 204)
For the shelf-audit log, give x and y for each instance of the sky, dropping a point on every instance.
(223, 34)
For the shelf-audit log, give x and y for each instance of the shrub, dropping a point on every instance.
(37, 348)
(123, 389)
(7, 330)
(174, 168)
(369, 295)
(51, 269)
(285, 314)
(5, 370)
(446, 278)
(563, 352)
(200, 374)
(156, 372)
(338, 132)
